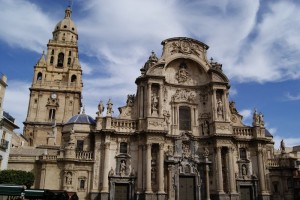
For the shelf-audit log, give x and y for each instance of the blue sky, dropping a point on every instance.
(257, 42)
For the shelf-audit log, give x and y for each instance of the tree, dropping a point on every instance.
(17, 177)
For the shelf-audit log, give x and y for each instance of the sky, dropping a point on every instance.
(257, 42)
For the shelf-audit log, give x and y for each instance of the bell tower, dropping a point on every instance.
(55, 93)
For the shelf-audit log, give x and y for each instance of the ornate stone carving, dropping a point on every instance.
(155, 123)
(185, 47)
(184, 96)
(186, 151)
(182, 75)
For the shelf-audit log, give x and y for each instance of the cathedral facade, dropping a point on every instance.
(177, 138)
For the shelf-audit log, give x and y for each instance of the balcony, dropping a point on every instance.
(3, 144)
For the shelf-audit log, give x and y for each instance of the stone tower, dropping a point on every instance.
(55, 93)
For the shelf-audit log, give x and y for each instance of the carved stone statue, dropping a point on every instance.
(282, 146)
(244, 170)
(109, 111)
(100, 109)
(68, 179)
(205, 128)
(170, 151)
(219, 107)
(123, 168)
(206, 152)
(166, 115)
(111, 172)
(261, 119)
(255, 118)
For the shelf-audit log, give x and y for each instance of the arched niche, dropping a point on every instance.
(185, 72)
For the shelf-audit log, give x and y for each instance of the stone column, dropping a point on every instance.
(148, 169)
(149, 100)
(260, 164)
(214, 105)
(140, 169)
(161, 170)
(207, 181)
(141, 102)
(170, 181)
(106, 168)
(231, 170)
(160, 101)
(219, 172)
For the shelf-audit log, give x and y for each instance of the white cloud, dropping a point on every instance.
(247, 115)
(23, 24)
(16, 101)
(292, 97)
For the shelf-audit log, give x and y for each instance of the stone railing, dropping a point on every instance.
(84, 155)
(123, 125)
(243, 131)
(57, 84)
(281, 162)
(48, 157)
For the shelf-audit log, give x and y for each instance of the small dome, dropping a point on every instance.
(66, 24)
(81, 119)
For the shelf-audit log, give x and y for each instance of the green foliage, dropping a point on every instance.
(17, 177)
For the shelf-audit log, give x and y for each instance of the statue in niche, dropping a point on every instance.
(205, 128)
(244, 170)
(220, 107)
(109, 108)
(153, 175)
(100, 109)
(182, 75)
(68, 180)
(154, 100)
(170, 151)
(123, 168)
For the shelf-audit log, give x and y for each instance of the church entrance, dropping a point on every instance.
(186, 187)
(121, 191)
(246, 192)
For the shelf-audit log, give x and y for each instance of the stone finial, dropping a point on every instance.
(150, 62)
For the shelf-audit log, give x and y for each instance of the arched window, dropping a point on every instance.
(60, 60)
(52, 52)
(51, 60)
(73, 78)
(70, 53)
(52, 114)
(243, 154)
(69, 61)
(184, 118)
(123, 147)
(39, 76)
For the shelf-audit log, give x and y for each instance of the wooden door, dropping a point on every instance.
(186, 188)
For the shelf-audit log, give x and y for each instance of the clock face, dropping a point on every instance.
(53, 96)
